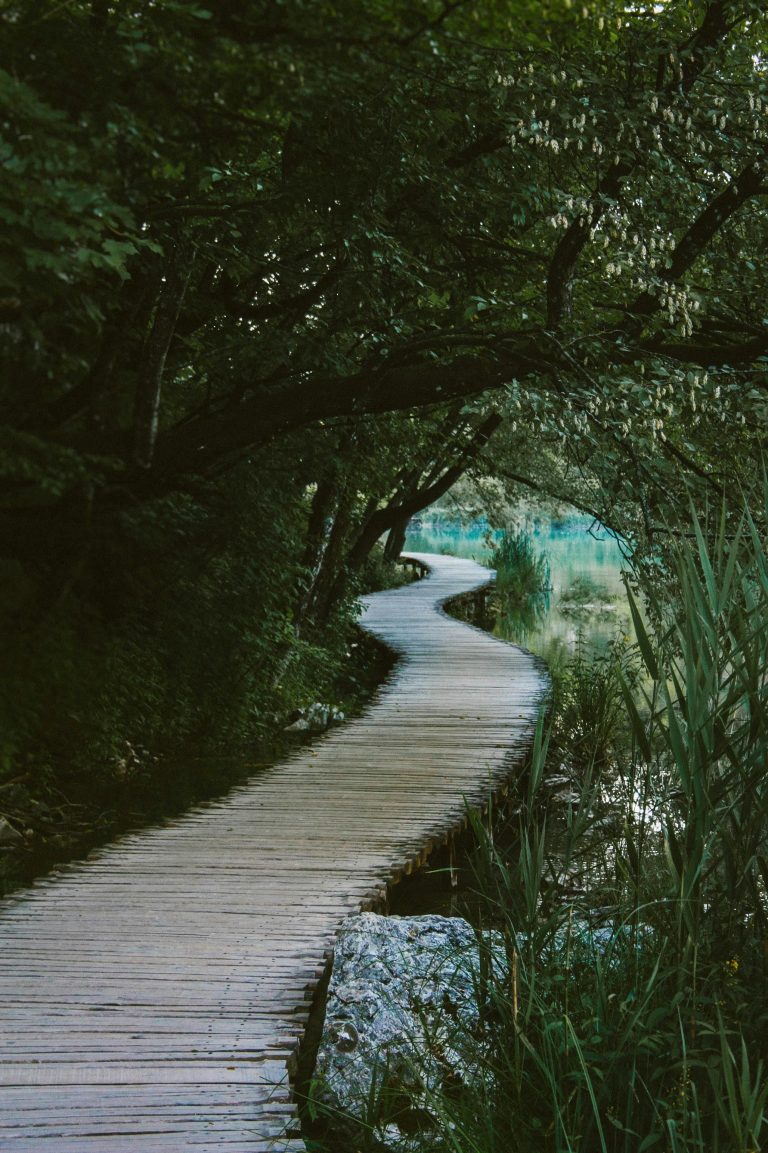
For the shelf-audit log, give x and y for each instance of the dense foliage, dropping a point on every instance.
(273, 275)
(238, 222)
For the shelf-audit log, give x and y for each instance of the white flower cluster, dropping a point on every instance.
(678, 302)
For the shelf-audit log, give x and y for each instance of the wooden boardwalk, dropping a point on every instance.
(152, 997)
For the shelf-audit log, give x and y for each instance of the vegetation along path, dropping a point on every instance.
(154, 996)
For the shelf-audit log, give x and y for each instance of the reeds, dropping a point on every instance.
(521, 571)
(635, 920)
(632, 1013)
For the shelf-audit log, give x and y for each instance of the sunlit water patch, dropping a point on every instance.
(587, 603)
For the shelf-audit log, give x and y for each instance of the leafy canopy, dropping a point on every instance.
(378, 206)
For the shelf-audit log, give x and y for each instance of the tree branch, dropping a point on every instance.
(696, 51)
(196, 446)
(384, 519)
(748, 183)
(555, 494)
(713, 355)
(147, 411)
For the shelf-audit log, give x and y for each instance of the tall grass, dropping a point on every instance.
(637, 1018)
(521, 571)
(632, 1013)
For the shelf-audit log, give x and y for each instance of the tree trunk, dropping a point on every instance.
(324, 504)
(147, 410)
(326, 590)
(403, 509)
(396, 539)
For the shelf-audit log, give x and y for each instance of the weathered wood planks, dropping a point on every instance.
(152, 997)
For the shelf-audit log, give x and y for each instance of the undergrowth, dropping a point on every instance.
(631, 1014)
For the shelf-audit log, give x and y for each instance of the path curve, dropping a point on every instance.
(152, 996)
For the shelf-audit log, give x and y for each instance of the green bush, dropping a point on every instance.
(378, 573)
(175, 641)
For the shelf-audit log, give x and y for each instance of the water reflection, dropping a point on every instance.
(587, 605)
(583, 613)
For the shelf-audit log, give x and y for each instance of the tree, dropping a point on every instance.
(316, 212)
(343, 240)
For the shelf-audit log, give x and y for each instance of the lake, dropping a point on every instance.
(587, 603)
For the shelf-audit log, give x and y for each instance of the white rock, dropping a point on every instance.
(403, 1019)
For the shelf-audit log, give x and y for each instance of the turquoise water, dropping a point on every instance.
(586, 608)
(473, 541)
(587, 605)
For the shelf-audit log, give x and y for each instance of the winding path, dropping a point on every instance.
(153, 996)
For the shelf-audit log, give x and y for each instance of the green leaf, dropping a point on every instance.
(643, 638)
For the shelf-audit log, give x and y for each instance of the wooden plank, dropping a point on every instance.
(153, 994)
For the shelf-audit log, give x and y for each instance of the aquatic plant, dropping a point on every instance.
(521, 570)
(657, 1041)
(585, 596)
(632, 1015)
